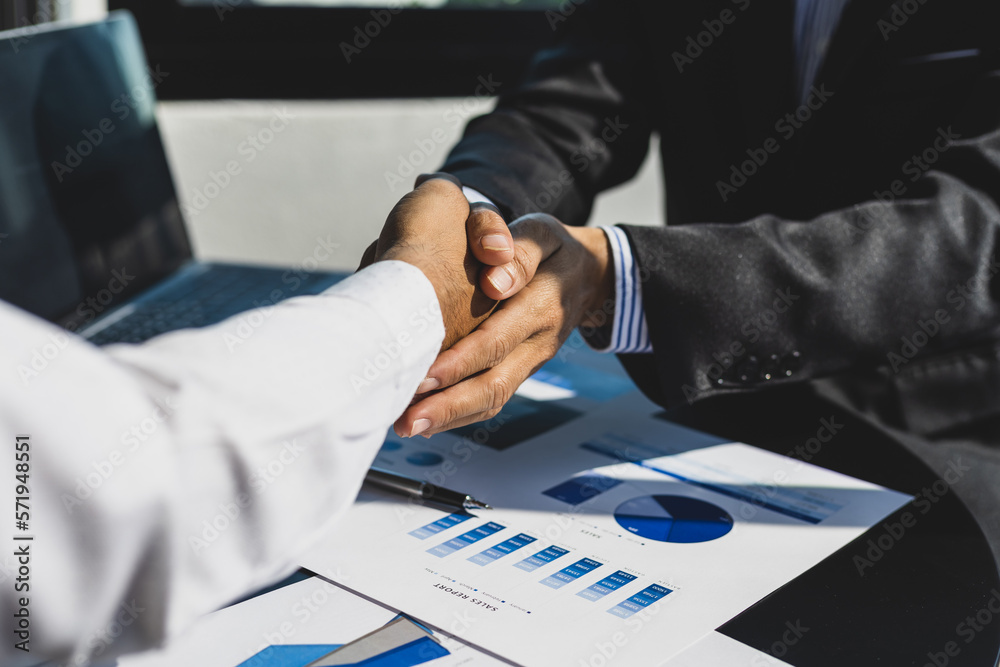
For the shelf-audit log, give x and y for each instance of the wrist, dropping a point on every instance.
(599, 303)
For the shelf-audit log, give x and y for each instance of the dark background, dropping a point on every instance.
(232, 49)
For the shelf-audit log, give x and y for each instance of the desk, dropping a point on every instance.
(912, 600)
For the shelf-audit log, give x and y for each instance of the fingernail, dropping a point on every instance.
(501, 280)
(429, 384)
(420, 426)
(495, 242)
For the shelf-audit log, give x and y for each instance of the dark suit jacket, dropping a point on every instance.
(858, 233)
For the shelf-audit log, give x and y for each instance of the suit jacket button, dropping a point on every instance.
(770, 368)
(792, 363)
(748, 369)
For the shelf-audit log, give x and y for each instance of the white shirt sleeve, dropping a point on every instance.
(168, 478)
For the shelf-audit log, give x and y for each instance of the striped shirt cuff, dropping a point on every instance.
(475, 196)
(629, 332)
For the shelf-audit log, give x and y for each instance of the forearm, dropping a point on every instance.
(737, 307)
(176, 475)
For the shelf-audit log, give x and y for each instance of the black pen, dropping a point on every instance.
(423, 490)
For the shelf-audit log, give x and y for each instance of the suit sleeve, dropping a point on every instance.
(736, 307)
(577, 125)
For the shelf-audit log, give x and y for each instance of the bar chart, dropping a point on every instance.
(466, 539)
(571, 573)
(505, 548)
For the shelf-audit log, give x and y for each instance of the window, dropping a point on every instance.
(329, 49)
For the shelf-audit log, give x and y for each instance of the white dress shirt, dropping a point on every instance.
(168, 478)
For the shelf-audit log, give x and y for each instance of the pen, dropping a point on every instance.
(422, 490)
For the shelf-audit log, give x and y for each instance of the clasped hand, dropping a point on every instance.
(550, 279)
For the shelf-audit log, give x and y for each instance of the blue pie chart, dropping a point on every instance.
(677, 519)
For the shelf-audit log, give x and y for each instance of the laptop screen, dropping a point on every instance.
(88, 212)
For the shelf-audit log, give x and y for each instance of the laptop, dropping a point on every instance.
(91, 233)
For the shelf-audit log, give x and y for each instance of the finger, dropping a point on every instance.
(536, 237)
(489, 239)
(484, 348)
(368, 258)
(473, 400)
(422, 212)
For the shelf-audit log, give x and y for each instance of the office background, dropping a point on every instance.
(322, 172)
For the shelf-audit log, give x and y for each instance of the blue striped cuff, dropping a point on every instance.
(629, 332)
(475, 196)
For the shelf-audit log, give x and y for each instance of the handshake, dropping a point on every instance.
(509, 297)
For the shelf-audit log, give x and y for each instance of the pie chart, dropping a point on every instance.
(677, 519)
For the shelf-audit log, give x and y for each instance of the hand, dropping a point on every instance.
(434, 228)
(561, 277)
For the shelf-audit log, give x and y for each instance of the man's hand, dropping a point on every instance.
(434, 228)
(559, 278)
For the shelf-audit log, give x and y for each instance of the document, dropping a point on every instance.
(618, 537)
(301, 625)
(311, 612)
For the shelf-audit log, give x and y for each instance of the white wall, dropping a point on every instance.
(308, 170)
(323, 175)
(81, 10)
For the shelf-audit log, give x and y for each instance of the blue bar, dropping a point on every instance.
(608, 584)
(640, 600)
(502, 549)
(581, 488)
(571, 573)
(465, 539)
(436, 527)
(543, 557)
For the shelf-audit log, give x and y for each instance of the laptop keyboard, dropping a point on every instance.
(210, 297)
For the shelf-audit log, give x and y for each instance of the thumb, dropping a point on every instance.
(537, 237)
(489, 238)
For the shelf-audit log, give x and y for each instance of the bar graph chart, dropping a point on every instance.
(608, 584)
(640, 601)
(543, 557)
(505, 548)
(466, 539)
(571, 573)
(438, 526)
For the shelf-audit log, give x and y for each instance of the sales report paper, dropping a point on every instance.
(616, 538)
